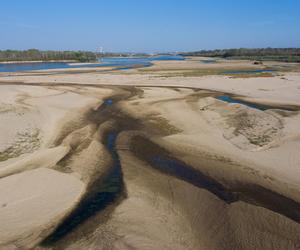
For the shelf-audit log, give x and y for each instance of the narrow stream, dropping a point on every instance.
(263, 107)
(186, 173)
(248, 72)
(229, 99)
(208, 61)
(163, 161)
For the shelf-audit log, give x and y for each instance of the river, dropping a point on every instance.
(122, 63)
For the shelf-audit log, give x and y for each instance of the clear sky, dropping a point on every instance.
(148, 25)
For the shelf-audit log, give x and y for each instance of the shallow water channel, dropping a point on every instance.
(263, 107)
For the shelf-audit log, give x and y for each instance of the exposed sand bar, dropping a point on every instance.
(36, 200)
(34, 197)
(196, 172)
(175, 213)
(282, 88)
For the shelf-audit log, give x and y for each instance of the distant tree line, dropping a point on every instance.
(38, 55)
(278, 54)
(122, 54)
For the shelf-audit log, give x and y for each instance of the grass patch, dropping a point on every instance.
(262, 74)
(26, 142)
(207, 72)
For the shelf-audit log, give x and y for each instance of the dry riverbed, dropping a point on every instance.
(137, 160)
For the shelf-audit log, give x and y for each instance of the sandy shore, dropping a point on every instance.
(135, 148)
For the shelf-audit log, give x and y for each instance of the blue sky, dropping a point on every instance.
(148, 26)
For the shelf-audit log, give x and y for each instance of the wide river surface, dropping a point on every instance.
(122, 62)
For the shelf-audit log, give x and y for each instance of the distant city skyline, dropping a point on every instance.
(149, 26)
